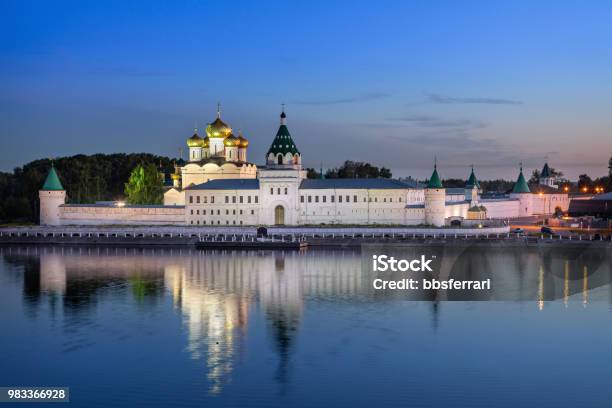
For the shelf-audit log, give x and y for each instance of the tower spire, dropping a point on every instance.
(218, 110)
(283, 116)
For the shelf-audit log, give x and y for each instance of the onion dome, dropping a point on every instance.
(283, 142)
(243, 141)
(434, 180)
(521, 185)
(206, 142)
(472, 181)
(231, 141)
(195, 140)
(218, 128)
(52, 182)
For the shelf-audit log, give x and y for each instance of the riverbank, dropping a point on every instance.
(278, 237)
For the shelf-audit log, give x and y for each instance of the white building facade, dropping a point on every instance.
(218, 187)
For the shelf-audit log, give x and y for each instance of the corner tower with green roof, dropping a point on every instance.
(283, 151)
(522, 194)
(435, 200)
(472, 188)
(52, 195)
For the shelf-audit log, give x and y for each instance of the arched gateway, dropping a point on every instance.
(279, 215)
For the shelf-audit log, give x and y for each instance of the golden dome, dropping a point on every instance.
(206, 142)
(231, 141)
(243, 142)
(218, 129)
(195, 140)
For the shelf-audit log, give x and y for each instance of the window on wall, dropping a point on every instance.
(339, 198)
(301, 199)
(348, 199)
(218, 212)
(204, 212)
(271, 190)
(278, 190)
(309, 198)
(241, 199)
(240, 212)
(249, 199)
(226, 199)
(332, 198)
(286, 190)
(324, 198)
(191, 212)
(212, 199)
(252, 212)
(316, 199)
(226, 212)
(190, 199)
(355, 199)
(234, 199)
(198, 199)
(256, 199)
(204, 222)
(234, 212)
(205, 199)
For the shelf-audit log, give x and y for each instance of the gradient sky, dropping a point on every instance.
(393, 83)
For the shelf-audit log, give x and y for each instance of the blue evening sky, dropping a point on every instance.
(393, 83)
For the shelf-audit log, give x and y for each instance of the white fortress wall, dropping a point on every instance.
(83, 214)
(501, 208)
(456, 208)
(546, 203)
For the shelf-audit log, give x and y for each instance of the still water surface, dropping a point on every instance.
(159, 328)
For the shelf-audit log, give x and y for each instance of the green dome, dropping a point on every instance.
(52, 183)
(472, 181)
(434, 180)
(283, 142)
(521, 185)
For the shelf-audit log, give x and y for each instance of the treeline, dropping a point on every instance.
(99, 177)
(352, 169)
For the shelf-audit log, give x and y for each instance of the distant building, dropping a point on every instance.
(217, 186)
(599, 206)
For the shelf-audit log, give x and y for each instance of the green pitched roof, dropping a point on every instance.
(521, 185)
(545, 171)
(472, 181)
(283, 143)
(434, 180)
(52, 183)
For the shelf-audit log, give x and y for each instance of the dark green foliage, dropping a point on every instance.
(99, 177)
(351, 169)
(144, 186)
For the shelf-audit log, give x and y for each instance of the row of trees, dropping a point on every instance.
(98, 177)
(352, 169)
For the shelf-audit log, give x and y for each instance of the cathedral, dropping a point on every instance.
(218, 186)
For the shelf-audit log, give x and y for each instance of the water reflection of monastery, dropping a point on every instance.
(216, 293)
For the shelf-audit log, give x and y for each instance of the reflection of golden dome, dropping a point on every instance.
(231, 141)
(175, 176)
(218, 129)
(195, 140)
(243, 141)
(206, 142)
